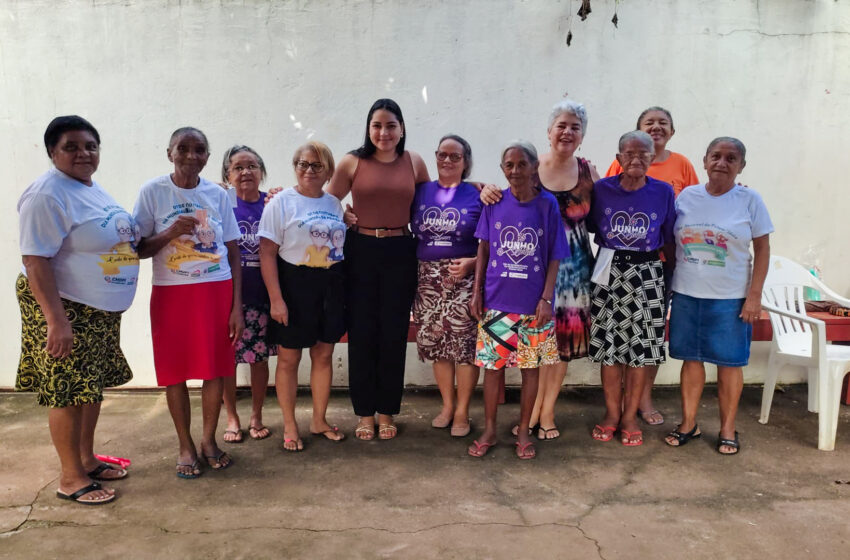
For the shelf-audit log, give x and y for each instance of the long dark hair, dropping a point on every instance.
(368, 149)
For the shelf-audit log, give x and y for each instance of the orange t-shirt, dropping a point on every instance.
(676, 170)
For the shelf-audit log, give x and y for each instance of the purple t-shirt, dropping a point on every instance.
(248, 219)
(640, 220)
(524, 238)
(444, 221)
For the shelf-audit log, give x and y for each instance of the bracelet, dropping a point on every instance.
(549, 301)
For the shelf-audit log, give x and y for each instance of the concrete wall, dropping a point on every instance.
(272, 74)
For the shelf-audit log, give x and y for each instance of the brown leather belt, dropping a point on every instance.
(382, 232)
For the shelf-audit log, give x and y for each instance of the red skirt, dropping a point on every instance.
(190, 331)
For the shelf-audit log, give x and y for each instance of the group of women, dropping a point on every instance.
(495, 278)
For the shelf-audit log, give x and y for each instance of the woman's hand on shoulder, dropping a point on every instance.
(420, 170)
(490, 194)
(271, 193)
(594, 173)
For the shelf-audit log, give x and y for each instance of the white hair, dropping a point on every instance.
(640, 135)
(524, 145)
(571, 107)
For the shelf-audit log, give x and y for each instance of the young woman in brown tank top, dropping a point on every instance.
(380, 257)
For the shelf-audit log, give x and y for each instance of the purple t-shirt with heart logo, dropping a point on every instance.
(524, 238)
(248, 219)
(444, 221)
(640, 220)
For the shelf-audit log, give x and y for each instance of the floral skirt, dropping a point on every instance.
(96, 360)
(252, 347)
(444, 328)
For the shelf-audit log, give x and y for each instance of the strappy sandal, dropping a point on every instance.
(733, 443)
(683, 438)
(387, 431)
(365, 433)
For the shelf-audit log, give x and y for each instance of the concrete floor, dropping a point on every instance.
(421, 496)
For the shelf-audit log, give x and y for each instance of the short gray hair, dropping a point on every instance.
(524, 145)
(467, 153)
(640, 135)
(232, 151)
(742, 150)
(571, 107)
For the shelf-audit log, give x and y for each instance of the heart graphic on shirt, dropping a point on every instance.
(629, 228)
(439, 221)
(517, 244)
(249, 242)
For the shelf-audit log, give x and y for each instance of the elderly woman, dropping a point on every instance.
(380, 256)
(521, 243)
(717, 287)
(244, 170)
(445, 215)
(672, 168)
(80, 273)
(307, 296)
(196, 301)
(632, 216)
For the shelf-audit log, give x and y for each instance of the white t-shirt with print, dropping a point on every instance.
(713, 237)
(189, 259)
(310, 231)
(89, 239)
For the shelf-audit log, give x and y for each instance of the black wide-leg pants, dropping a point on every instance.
(380, 286)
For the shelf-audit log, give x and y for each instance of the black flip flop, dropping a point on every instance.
(95, 474)
(683, 438)
(734, 443)
(75, 497)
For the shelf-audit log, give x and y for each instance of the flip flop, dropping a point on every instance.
(387, 431)
(646, 416)
(626, 438)
(299, 445)
(606, 433)
(218, 466)
(256, 430)
(546, 433)
(683, 438)
(523, 451)
(479, 449)
(237, 436)
(329, 434)
(75, 497)
(195, 466)
(96, 473)
(515, 429)
(365, 433)
(734, 443)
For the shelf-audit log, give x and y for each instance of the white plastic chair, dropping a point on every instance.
(801, 341)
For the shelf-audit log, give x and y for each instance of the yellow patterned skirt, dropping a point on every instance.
(96, 360)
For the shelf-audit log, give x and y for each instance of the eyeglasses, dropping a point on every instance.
(454, 158)
(250, 167)
(319, 234)
(304, 165)
(643, 156)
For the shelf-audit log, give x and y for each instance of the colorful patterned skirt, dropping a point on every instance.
(252, 347)
(96, 361)
(444, 328)
(514, 340)
(629, 316)
(572, 301)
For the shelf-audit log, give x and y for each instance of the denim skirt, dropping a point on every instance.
(709, 330)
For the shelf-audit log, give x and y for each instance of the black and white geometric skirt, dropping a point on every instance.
(628, 316)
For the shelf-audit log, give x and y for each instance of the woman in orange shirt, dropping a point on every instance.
(673, 168)
(670, 167)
